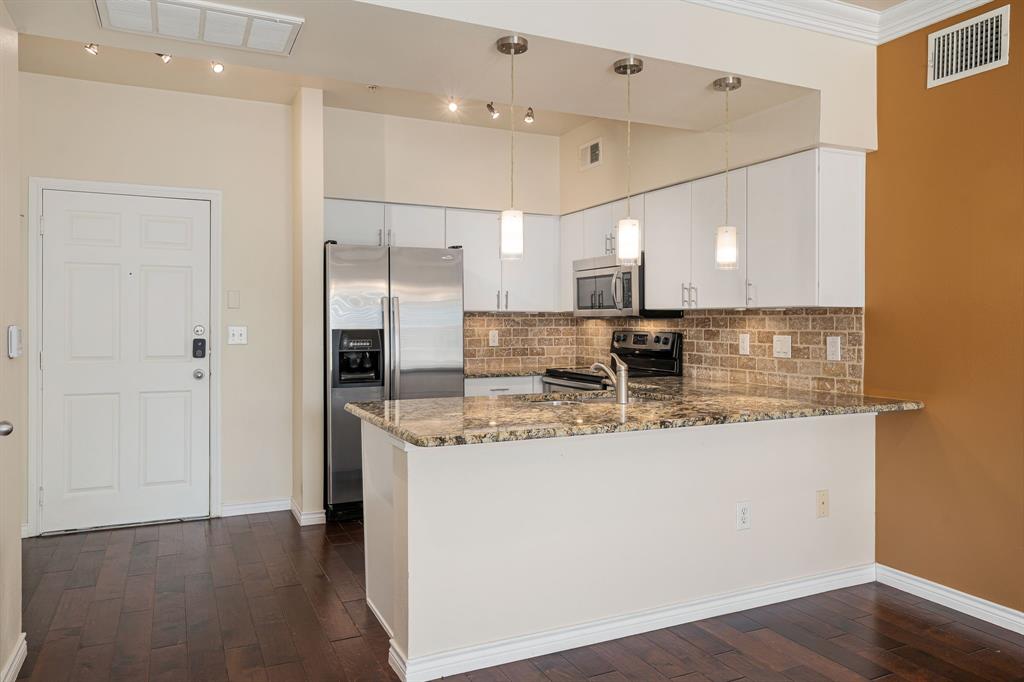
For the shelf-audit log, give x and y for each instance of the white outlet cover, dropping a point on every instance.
(492, 338)
(742, 516)
(744, 344)
(238, 336)
(782, 346)
(833, 349)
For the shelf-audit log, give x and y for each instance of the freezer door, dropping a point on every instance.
(345, 458)
(357, 280)
(426, 322)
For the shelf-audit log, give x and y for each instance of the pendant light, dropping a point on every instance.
(726, 243)
(510, 242)
(628, 235)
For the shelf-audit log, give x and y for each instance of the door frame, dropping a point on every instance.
(36, 187)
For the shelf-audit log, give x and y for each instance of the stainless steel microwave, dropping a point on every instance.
(603, 288)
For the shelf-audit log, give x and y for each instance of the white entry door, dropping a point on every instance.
(126, 406)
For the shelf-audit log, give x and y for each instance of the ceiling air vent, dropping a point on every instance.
(590, 154)
(979, 44)
(198, 21)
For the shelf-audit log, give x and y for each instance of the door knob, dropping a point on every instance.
(6, 428)
(198, 374)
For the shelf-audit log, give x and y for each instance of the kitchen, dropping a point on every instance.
(563, 348)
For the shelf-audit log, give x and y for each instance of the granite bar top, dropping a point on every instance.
(499, 373)
(667, 403)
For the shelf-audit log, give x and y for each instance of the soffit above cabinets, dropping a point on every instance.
(198, 21)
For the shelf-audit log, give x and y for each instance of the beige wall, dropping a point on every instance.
(409, 160)
(97, 131)
(666, 156)
(13, 383)
(842, 70)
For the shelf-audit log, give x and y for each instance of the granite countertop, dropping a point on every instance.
(668, 403)
(498, 373)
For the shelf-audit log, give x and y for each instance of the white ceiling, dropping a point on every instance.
(417, 60)
(876, 5)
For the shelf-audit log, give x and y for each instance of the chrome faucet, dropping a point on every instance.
(619, 378)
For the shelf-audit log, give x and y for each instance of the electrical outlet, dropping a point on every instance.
(744, 344)
(742, 516)
(492, 338)
(833, 349)
(238, 336)
(782, 346)
(821, 504)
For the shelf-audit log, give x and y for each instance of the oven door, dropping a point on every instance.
(608, 291)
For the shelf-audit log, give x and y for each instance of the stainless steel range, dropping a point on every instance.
(648, 354)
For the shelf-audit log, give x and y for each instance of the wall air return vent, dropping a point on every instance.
(590, 154)
(198, 21)
(979, 44)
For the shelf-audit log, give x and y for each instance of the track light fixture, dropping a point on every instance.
(165, 58)
(492, 111)
(529, 115)
(92, 48)
(217, 67)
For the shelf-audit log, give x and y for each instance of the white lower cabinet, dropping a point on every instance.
(711, 287)
(667, 247)
(495, 386)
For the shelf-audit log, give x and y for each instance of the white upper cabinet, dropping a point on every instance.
(782, 227)
(840, 228)
(354, 222)
(477, 233)
(410, 225)
(570, 249)
(711, 287)
(532, 283)
(597, 231)
(666, 247)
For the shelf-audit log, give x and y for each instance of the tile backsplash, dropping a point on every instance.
(528, 342)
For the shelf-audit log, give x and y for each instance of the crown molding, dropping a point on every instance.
(912, 15)
(837, 18)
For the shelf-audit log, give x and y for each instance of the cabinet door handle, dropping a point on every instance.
(693, 288)
(750, 292)
(389, 236)
(380, 237)
(499, 390)
(506, 299)
(497, 301)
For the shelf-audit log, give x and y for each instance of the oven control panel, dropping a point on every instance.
(634, 340)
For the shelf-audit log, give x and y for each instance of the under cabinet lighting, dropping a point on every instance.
(92, 48)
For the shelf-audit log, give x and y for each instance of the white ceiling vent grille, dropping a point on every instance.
(979, 44)
(590, 154)
(198, 21)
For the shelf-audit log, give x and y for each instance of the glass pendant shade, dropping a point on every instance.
(627, 241)
(726, 250)
(511, 234)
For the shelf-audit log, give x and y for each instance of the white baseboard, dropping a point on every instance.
(317, 518)
(9, 673)
(380, 619)
(462, 660)
(242, 508)
(997, 614)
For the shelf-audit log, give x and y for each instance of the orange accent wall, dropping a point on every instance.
(944, 318)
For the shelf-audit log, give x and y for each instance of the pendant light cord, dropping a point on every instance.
(629, 141)
(728, 133)
(512, 120)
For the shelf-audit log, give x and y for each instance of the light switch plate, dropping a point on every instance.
(782, 346)
(744, 344)
(492, 338)
(238, 336)
(833, 349)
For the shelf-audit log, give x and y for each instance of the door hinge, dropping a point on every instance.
(40, 496)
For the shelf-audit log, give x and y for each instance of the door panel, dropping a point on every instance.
(409, 225)
(359, 223)
(125, 435)
(597, 225)
(532, 281)
(666, 246)
(426, 295)
(714, 288)
(477, 233)
(571, 249)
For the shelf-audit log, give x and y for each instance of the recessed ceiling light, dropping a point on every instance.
(453, 106)
(217, 67)
(92, 48)
(494, 112)
(529, 115)
(165, 58)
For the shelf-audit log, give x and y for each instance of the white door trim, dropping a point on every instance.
(35, 264)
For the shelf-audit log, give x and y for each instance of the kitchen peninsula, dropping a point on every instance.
(503, 528)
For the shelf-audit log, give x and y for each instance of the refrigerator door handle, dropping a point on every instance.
(385, 305)
(396, 347)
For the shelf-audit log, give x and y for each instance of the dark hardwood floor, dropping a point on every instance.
(257, 598)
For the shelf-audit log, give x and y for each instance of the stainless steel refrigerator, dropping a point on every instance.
(393, 330)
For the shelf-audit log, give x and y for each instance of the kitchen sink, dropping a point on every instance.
(633, 400)
(556, 403)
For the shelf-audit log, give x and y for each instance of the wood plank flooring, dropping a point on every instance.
(256, 598)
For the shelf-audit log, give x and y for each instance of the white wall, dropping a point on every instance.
(842, 70)
(97, 131)
(408, 160)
